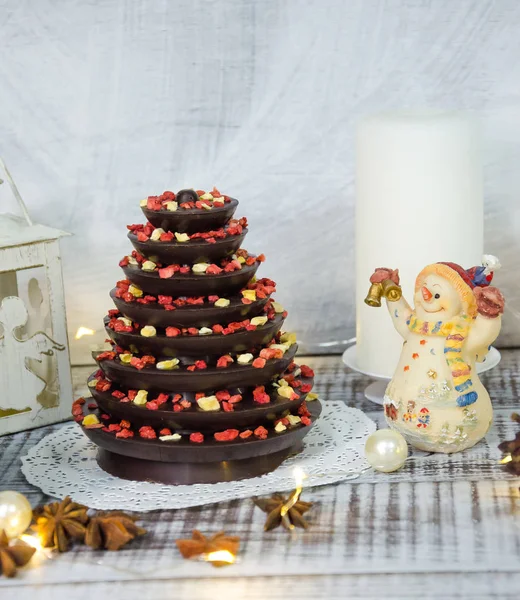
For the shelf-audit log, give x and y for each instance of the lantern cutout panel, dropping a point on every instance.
(35, 379)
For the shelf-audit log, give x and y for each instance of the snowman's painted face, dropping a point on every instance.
(437, 300)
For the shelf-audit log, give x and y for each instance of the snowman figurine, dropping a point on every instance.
(435, 398)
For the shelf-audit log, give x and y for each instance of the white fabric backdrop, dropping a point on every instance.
(104, 102)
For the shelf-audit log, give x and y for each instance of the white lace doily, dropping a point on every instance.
(64, 463)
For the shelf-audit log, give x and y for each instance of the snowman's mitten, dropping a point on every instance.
(490, 302)
(384, 274)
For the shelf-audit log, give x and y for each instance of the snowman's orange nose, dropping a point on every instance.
(426, 294)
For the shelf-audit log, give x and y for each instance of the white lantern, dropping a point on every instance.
(35, 379)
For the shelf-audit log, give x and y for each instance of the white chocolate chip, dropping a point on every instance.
(182, 237)
(259, 321)
(289, 338)
(278, 308)
(141, 397)
(167, 365)
(279, 427)
(249, 294)
(92, 383)
(156, 234)
(244, 359)
(125, 358)
(208, 403)
(126, 321)
(136, 292)
(143, 203)
(222, 302)
(205, 206)
(148, 331)
(311, 397)
(171, 206)
(174, 437)
(282, 347)
(149, 266)
(285, 391)
(200, 268)
(219, 199)
(206, 196)
(132, 260)
(205, 331)
(293, 419)
(241, 260)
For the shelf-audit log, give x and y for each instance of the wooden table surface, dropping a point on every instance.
(441, 527)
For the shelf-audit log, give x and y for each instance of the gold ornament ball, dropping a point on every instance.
(386, 450)
(15, 513)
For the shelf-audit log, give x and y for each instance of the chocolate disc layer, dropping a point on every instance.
(181, 380)
(198, 345)
(137, 469)
(246, 414)
(209, 450)
(189, 316)
(191, 284)
(188, 252)
(192, 220)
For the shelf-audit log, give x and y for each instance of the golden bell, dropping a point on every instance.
(391, 291)
(388, 289)
(374, 295)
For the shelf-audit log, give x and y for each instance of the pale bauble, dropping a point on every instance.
(386, 450)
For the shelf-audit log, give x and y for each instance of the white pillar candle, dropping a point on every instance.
(419, 200)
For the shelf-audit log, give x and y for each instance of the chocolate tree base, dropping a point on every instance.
(136, 469)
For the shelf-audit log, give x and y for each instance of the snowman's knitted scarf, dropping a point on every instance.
(455, 332)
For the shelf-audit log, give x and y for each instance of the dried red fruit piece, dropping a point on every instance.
(260, 396)
(197, 437)
(245, 434)
(106, 356)
(305, 388)
(235, 399)
(213, 270)
(306, 421)
(259, 363)
(172, 331)
(125, 424)
(161, 399)
(222, 395)
(114, 427)
(224, 361)
(92, 406)
(103, 385)
(124, 261)
(261, 432)
(227, 407)
(147, 432)
(226, 436)
(125, 433)
(306, 371)
(152, 405)
(165, 431)
(118, 394)
(167, 272)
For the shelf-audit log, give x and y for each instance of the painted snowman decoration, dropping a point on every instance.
(435, 398)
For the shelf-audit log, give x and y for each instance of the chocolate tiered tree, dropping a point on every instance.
(200, 384)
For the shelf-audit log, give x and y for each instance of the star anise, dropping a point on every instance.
(200, 545)
(12, 557)
(112, 530)
(273, 507)
(511, 449)
(60, 522)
